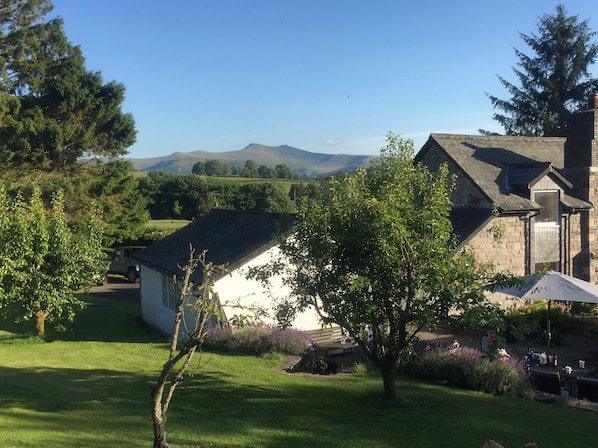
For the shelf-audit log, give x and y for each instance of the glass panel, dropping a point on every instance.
(549, 201)
(547, 239)
(169, 293)
(542, 267)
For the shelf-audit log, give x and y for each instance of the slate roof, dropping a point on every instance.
(231, 237)
(488, 159)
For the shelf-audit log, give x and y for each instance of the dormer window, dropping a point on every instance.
(549, 201)
(547, 231)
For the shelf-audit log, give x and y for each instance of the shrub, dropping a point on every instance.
(530, 321)
(477, 318)
(257, 340)
(468, 368)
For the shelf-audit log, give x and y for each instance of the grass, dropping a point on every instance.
(285, 183)
(90, 388)
(168, 224)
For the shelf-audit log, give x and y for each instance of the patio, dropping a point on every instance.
(569, 352)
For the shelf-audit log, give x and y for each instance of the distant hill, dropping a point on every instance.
(300, 161)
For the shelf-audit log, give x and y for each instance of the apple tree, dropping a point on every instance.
(376, 255)
(187, 335)
(42, 262)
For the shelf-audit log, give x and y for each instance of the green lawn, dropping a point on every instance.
(90, 388)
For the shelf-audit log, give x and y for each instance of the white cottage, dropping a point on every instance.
(237, 238)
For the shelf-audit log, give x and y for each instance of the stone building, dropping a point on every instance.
(526, 203)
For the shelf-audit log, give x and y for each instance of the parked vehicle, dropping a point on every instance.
(123, 263)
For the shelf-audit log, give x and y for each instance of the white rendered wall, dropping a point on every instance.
(232, 290)
(250, 293)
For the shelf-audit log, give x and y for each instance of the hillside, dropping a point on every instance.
(300, 161)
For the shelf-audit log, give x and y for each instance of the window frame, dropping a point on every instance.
(170, 292)
(557, 211)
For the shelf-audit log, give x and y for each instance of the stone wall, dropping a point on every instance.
(581, 167)
(509, 252)
(591, 258)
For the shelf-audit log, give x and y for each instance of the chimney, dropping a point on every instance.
(581, 148)
(581, 167)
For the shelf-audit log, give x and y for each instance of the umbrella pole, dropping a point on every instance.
(548, 334)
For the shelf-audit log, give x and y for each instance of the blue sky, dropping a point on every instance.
(329, 76)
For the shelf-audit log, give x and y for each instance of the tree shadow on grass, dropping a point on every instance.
(240, 409)
(71, 405)
(109, 320)
(102, 320)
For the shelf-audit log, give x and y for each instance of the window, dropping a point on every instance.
(547, 234)
(170, 292)
(543, 267)
(549, 201)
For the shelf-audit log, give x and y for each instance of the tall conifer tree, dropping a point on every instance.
(54, 110)
(554, 81)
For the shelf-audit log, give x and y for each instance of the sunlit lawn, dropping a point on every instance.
(168, 224)
(91, 389)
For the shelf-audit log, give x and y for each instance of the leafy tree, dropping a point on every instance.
(111, 188)
(308, 190)
(194, 305)
(236, 170)
(176, 209)
(58, 110)
(199, 168)
(376, 255)
(162, 190)
(41, 262)
(283, 171)
(262, 197)
(116, 191)
(192, 195)
(265, 172)
(554, 82)
(250, 169)
(215, 167)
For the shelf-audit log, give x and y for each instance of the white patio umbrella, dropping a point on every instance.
(554, 286)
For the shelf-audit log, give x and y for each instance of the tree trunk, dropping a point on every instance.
(388, 377)
(387, 366)
(40, 321)
(158, 420)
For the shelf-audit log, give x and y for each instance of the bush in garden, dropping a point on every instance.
(529, 321)
(475, 319)
(468, 368)
(257, 340)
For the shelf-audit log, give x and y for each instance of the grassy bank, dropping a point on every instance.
(91, 388)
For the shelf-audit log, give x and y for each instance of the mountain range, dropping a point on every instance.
(301, 162)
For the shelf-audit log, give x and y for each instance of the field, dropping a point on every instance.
(90, 388)
(167, 224)
(285, 183)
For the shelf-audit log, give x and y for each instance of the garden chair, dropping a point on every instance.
(587, 388)
(547, 381)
